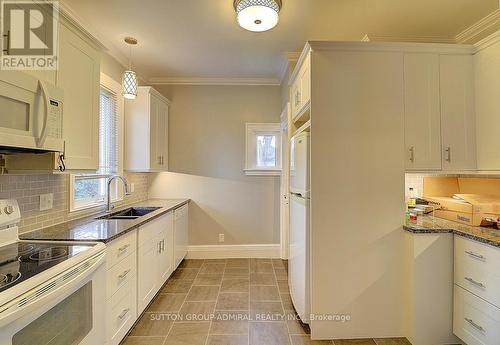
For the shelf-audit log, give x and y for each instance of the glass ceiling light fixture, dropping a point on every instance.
(129, 78)
(257, 15)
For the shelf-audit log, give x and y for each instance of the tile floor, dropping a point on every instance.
(228, 302)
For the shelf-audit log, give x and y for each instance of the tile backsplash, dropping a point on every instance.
(26, 189)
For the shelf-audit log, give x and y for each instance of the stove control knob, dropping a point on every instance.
(9, 209)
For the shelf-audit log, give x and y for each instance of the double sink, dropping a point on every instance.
(130, 213)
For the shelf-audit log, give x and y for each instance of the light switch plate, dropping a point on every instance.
(132, 187)
(46, 201)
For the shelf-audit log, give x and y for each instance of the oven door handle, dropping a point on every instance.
(50, 290)
(46, 100)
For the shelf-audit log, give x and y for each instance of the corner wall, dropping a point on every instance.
(207, 158)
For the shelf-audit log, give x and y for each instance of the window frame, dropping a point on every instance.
(252, 131)
(108, 83)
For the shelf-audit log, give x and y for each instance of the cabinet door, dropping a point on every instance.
(78, 76)
(295, 98)
(165, 258)
(147, 272)
(162, 135)
(422, 112)
(181, 227)
(154, 133)
(305, 84)
(458, 128)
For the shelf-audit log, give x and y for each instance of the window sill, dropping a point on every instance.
(262, 172)
(94, 207)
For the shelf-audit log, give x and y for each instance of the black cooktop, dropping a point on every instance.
(23, 260)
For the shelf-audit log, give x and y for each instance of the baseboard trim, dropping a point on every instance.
(234, 251)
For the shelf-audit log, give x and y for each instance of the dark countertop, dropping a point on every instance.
(101, 230)
(433, 225)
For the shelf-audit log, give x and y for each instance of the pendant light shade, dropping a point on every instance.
(257, 15)
(129, 82)
(129, 78)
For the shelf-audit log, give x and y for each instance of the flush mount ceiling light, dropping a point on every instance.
(257, 15)
(129, 78)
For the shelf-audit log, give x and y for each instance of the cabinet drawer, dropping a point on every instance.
(121, 248)
(120, 274)
(476, 269)
(475, 321)
(121, 313)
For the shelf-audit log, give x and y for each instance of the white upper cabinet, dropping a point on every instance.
(146, 131)
(458, 127)
(78, 76)
(422, 112)
(301, 91)
(440, 130)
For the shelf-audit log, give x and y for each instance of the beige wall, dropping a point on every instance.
(207, 154)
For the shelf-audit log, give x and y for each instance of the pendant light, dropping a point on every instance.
(257, 15)
(129, 79)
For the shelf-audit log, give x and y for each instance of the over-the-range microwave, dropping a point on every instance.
(31, 114)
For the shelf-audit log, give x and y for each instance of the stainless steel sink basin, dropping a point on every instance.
(130, 213)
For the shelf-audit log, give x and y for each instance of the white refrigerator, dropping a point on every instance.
(299, 250)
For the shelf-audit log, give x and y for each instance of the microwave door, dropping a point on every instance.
(42, 112)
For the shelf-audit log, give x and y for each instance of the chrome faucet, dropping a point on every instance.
(125, 184)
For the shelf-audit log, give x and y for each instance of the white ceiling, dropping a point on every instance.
(200, 38)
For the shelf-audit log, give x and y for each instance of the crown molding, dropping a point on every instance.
(214, 81)
(472, 33)
(488, 41)
(407, 39)
(290, 57)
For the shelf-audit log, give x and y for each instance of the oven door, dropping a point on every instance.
(70, 313)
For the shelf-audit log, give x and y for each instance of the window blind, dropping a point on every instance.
(108, 133)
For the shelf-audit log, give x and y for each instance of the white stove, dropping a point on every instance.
(50, 292)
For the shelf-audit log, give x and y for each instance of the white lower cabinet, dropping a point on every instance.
(121, 287)
(475, 321)
(154, 261)
(138, 264)
(181, 228)
(476, 314)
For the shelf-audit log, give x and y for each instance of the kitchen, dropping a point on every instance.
(166, 183)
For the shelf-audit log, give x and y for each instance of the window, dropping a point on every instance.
(89, 190)
(263, 149)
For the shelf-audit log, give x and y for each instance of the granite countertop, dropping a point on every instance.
(434, 225)
(102, 230)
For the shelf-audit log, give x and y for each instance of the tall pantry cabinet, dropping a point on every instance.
(146, 132)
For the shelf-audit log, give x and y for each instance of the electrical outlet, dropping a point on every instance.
(221, 238)
(46, 201)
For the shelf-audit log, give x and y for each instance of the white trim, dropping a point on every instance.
(475, 30)
(214, 81)
(408, 39)
(262, 172)
(488, 41)
(290, 57)
(271, 251)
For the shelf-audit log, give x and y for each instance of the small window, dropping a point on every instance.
(89, 190)
(263, 149)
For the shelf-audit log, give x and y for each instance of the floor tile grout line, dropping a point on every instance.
(187, 294)
(215, 307)
(282, 306)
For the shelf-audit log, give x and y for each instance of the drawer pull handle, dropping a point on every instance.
(475, 325)
(123, 313)
(124, 274)
(474, 255)
(472, 281)
(124, 248)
